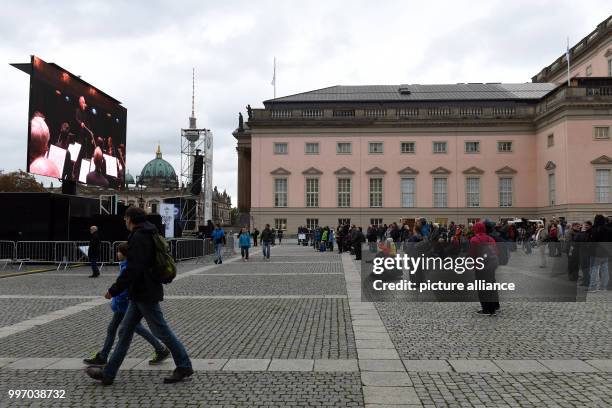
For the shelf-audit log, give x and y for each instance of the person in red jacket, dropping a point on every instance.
(482, 245)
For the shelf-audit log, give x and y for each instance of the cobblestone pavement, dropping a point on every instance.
(302, 309)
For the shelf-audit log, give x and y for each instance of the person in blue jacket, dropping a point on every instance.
(119, 305)
(244, 240)
(218, 238)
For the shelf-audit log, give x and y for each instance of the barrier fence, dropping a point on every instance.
(66, 253)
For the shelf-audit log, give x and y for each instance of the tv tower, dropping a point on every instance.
(196, 142)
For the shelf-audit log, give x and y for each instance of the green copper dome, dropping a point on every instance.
(158, 172)
(129, 179)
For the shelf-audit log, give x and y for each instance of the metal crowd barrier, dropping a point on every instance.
(66, 253)
(7, 253)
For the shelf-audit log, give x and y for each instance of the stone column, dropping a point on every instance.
(244, 179)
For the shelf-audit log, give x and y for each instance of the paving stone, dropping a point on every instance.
(568, 366)
(390, 395)
(381, 365)
(520, 366)
(199, 364)
(603, 365)
(32, 363)
(291, 365)
(427, 366)
(164, 366)
(6, 361)
(385, 379)
(374, 344)
(67, 364)
(474, 366)
(247, 364)
(377, 354)
(336, 365)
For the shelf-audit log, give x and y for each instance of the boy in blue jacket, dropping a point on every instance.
(119, 305)
(244, 240)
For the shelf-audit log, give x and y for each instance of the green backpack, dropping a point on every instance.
(164, 266)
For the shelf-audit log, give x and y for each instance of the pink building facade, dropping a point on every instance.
(379, 154)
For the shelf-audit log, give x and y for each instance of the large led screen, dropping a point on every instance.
(76, 132)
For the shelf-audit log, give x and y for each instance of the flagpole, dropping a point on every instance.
(274, 78)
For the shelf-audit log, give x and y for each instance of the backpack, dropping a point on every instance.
(491, 259)
(164, 266)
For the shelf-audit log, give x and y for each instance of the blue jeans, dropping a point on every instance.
(266, 249)
(599, 269)
(155, 319)
(111, 332)
(219, 252)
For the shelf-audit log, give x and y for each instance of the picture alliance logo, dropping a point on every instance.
(410, 264)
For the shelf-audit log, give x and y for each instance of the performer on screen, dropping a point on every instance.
(65, 139)
(38, 148)
(86, 136)
(96, 177)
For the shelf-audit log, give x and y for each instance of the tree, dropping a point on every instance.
(18, 182)
(234, 216)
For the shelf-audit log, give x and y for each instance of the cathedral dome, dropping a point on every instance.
(129, 179)
(158, 172)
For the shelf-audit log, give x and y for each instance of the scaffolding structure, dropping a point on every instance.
(196, 141)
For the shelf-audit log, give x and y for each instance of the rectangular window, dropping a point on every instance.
(280, 148)
(408, 191)
(505, 192)
(439, 147)
(473, 220)
(376, 221)
(280, 224)
(280, 192)
(551, 140)
(472, 192)
(312, 192)
(589, 70)
(504, 147)
(344, 221)
(343, 148)
(601, 132)
(472, 147)
(408, 147)
(376, 192)
(376, 147)
(551, 189)
(344, 192)
(312, 148)
(312, 223)
(603, 185)
(440, 192)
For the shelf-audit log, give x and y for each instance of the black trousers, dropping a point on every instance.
(357, 250)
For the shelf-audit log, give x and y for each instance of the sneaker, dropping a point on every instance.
(591, 291)
(95, 360)
(179, 374)
(97, 374)
(216, 261)
(481, 312)
(158, 358)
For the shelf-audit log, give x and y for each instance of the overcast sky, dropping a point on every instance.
(143, 55)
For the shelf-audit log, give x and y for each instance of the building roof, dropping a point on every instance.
(416, 92)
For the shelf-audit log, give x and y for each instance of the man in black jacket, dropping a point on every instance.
(93, 253)
(145, 292)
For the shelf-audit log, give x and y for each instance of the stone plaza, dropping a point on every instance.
(293, 331)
